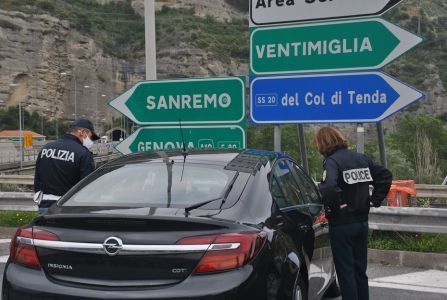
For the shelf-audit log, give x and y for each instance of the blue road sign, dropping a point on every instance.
(328, 98)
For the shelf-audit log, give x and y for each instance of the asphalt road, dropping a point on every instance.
(386, 282)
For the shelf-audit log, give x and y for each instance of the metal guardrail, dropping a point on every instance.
(410, 219)
(431, 191)
(11, 157)
(29, 166)
(17, 201)
(17, 179)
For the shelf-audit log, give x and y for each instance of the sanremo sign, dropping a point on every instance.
(192, 101)
(263, 12)
(330, 46)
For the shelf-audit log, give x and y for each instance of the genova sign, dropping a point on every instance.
(330, 46)
(161, 138)
(264, 12)
(328, 98)
(193, 101)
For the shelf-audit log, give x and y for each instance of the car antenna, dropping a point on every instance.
(184, 152)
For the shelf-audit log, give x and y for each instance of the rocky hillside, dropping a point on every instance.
(47, 61)
(51, 49)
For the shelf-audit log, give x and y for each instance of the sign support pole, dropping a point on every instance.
(277, 138)
(303, 149)
(383, 160)
(360, 138)
(149, 28)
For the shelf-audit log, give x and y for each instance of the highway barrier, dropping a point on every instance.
(409, 219)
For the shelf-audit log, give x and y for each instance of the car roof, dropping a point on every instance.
(248, 160)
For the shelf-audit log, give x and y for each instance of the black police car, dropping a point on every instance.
(203, 225)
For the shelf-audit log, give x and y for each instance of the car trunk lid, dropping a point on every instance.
(109, 251)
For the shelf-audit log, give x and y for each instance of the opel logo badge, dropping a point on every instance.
(112, 245)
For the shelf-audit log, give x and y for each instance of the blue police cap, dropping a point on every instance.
(87, 124)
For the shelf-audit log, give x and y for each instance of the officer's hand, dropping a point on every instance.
(377, 204)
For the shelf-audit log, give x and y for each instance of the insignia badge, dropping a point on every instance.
(323, 178)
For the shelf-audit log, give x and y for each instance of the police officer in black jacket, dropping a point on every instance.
(344, 187)
(63, 163)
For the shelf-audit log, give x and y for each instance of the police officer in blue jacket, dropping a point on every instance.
(63, 163)
(344, 187)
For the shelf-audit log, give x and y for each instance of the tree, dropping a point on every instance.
(422, 140)
(261, 137)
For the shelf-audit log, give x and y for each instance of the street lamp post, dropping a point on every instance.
(102, 95)
(21, 134)
(20, 127)
(75, 100)
(96, 109)
(57, 125)
(87, 87)
(75, 93)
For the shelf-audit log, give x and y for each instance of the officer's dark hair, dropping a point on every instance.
(73, 129)
(329, 139)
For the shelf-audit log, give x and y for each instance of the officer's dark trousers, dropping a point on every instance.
(350, 251)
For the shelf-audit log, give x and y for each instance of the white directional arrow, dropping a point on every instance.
(264, 12)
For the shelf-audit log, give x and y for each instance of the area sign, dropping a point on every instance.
(328, 98)
(192, 101)
(264, 12)
(161, 138)
(330, 46)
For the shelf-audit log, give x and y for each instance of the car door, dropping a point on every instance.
(322, 252)
(298, 221)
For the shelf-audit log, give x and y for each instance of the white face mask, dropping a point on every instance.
(87, 142)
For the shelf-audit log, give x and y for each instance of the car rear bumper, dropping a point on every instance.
(24, 283)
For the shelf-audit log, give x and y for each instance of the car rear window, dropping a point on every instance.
(148, 185)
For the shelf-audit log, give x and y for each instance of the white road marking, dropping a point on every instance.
(4, 241)
(3, 259)
(431, 281)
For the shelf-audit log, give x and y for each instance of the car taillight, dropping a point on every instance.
(22, 250)
(227, 251)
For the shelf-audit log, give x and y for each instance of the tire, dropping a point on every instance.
(300, 289)
(5, 293)
(333, 290)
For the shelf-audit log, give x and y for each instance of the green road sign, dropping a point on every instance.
(193, 101)
(160, 138)
(329, 46)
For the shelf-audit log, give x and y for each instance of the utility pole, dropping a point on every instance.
(149, 28)
(382, 151)
(360, 138)
(419, 17)
(21, 133)
(75, 100)
(303, 149)
(277, 138)
(96, 108)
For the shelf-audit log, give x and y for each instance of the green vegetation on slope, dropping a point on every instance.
(32, 121)
(120, 31)
(241, 5)
(431, 19)
(223, 40)
(115, 26)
